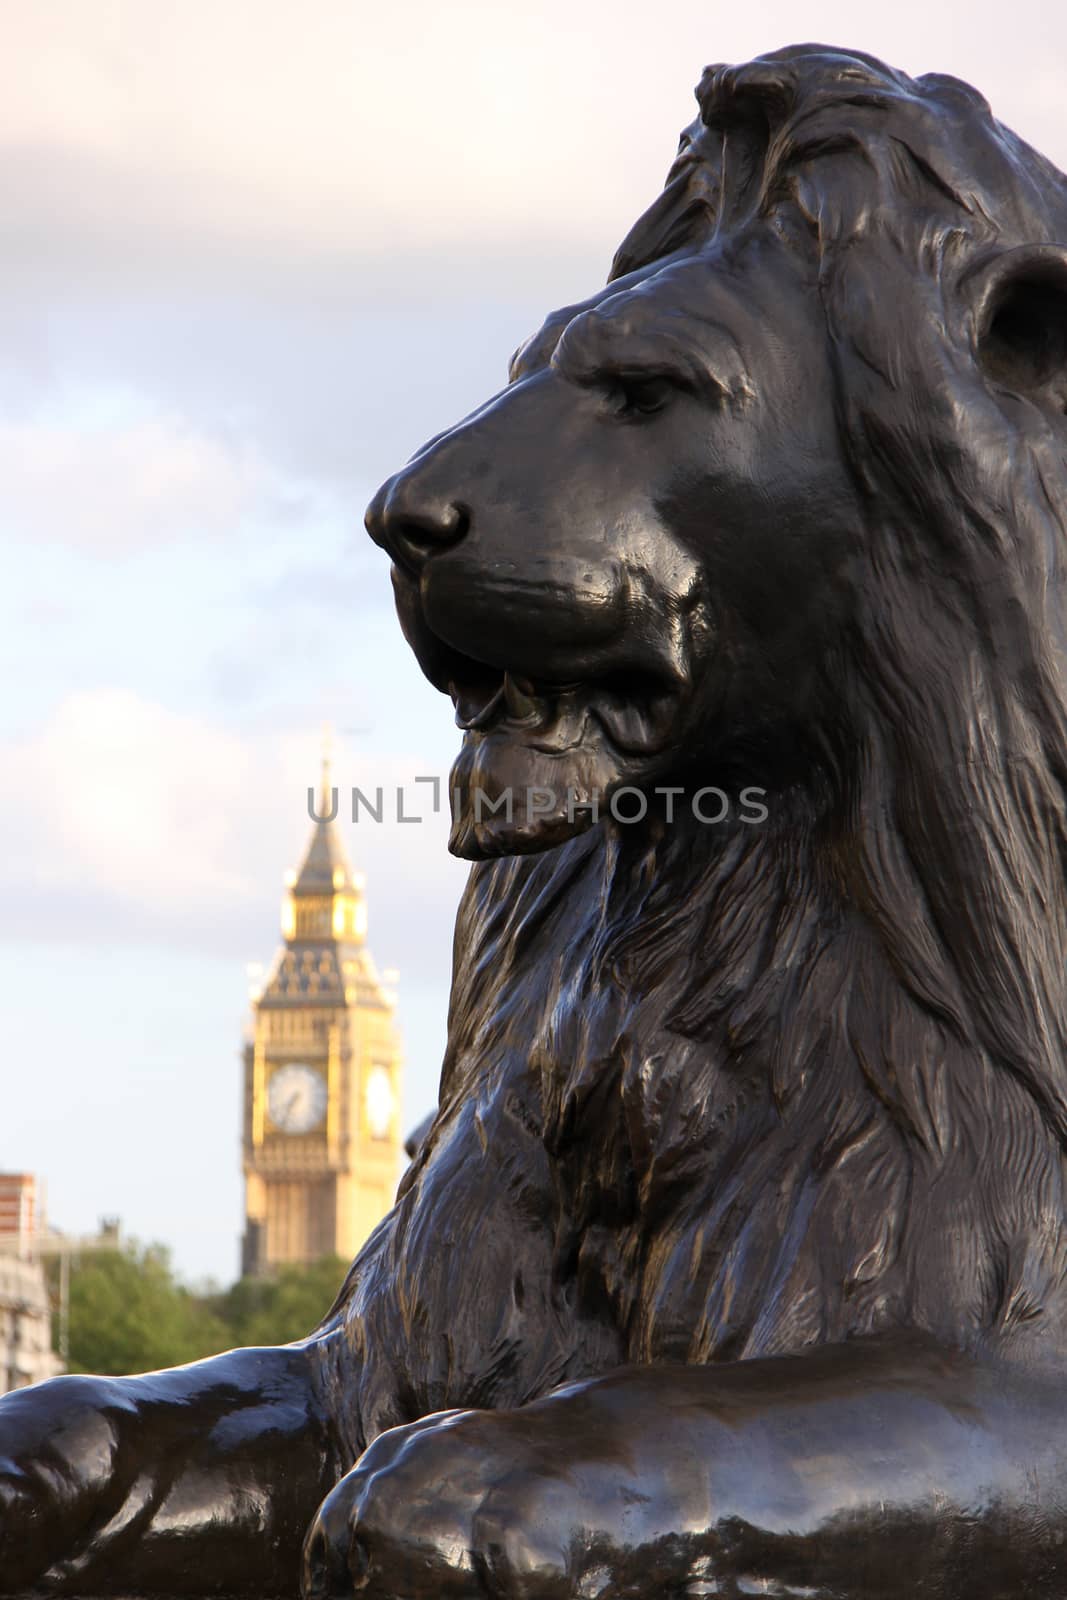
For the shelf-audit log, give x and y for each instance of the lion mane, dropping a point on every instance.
(916, 1045)
(808, 1080)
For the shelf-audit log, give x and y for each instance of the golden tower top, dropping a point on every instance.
(324, 899)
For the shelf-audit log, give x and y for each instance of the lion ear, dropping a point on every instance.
(1020, 304)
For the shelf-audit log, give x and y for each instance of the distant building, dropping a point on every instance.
(26, 1353)
(21, 1209)
(322, 1074)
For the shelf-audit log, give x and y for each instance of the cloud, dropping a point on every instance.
(330, 132)
(328, 232)
(141, 824)
(114, 489)
(361, 131)
(131, 803)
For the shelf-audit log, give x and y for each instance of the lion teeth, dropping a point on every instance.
(519, 701)
(475, 706)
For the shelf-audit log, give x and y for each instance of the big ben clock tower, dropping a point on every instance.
(321, 1074)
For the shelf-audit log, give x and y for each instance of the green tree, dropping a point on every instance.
(128, 1314)
(286, 1305)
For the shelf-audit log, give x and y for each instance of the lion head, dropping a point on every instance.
(657, 549)
(783, 507)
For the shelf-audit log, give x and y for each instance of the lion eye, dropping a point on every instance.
(640, 396)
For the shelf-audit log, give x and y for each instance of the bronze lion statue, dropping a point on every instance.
(736, 1259)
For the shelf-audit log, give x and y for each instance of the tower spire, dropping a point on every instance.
(327, 761)
(324, 898)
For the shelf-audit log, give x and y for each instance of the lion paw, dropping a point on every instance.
(440, 1509)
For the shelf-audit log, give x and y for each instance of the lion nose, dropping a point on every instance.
(410, 520)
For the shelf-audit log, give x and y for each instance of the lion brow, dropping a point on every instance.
(623, 337)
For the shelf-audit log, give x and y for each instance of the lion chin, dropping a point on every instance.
(540, 761)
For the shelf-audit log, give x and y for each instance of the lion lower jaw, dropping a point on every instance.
(509, 797)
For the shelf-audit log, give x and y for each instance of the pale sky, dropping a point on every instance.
(251, 256)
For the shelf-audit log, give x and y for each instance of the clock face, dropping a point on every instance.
(379, 1102)
(296, 1098)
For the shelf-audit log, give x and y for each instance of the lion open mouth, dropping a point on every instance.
(635, 711)
(543, 751)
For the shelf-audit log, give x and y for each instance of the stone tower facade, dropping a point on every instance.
(322, 1073)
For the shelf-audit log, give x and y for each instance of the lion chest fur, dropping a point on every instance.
(663, 1136)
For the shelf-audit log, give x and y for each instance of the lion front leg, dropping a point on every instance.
(567, 1497)
(881, 1470)
(197, 1480)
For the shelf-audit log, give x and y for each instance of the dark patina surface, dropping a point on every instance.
(735, 1261)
